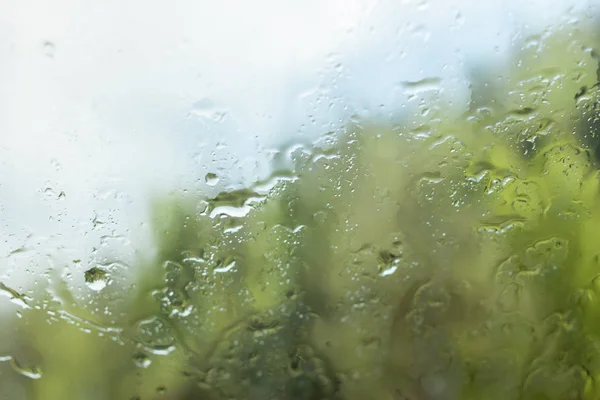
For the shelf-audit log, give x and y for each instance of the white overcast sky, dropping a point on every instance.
(108, 100)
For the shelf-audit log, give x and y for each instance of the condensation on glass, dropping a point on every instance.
(350, 200)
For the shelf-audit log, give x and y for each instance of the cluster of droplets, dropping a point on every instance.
(448, 258)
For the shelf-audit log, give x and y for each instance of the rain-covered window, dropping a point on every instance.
(300, 200)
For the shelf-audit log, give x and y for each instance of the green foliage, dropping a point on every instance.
(459, 260)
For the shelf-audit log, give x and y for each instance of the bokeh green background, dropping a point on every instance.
(440, 257)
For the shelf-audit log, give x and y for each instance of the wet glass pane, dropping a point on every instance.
(350, 199)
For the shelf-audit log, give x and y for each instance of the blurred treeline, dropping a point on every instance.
(445, 257)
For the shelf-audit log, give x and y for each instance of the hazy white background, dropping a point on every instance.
(103, 103)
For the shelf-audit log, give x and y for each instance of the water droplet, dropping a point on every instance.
(459, 20)
(431, 177)
(161, 390)
(388, 262)
(49, 49)
(156, 335)
(236, 203)
(15, 297)
(206, 109)
(96, 278)
(421, 132)
(225, 268)
(211, 179)
(545, 254)
(265, 186)
(141, 360)
(31, 372)
(420, 86)
(388, 271)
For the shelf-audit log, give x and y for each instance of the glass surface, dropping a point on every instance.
(316, 200)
